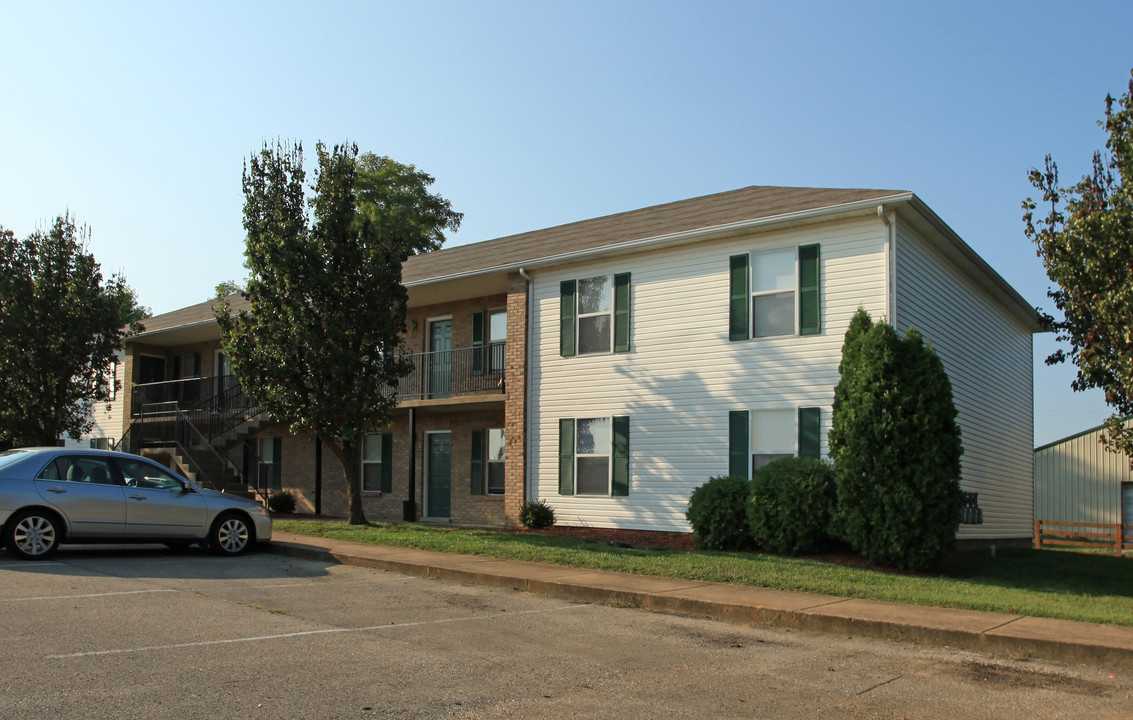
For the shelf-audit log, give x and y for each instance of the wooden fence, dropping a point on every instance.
(1097, 536)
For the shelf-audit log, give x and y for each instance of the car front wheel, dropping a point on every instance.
(33, 535)
(231, 534)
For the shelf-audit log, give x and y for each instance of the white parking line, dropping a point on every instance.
(89, 595)
(327, 631)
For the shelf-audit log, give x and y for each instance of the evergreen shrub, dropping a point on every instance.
(537, 515)
(282, 502)
(792, 501)
(896, 448)
(717, 511)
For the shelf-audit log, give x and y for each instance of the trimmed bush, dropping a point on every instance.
(717, 511)
(791, 504)
(896, 448)
(282, 502)
(537, 515)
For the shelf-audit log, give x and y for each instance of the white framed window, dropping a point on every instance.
(268, 473)
(595, 314)
(593, 444)
(373, 460)
(773, 283)
(497, 337)
(495, 461)
(773, 436)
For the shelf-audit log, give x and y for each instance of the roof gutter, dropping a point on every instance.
(685, 236)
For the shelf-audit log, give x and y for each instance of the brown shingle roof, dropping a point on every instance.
(201, 312)
(750, 203)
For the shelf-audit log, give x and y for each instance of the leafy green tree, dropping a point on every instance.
(320, 346)
(60, 325)
(896, 448)
(1086, 243)
(225, 288)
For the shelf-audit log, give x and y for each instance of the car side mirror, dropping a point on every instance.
(185, 486)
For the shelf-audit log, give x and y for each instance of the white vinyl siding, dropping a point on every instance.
(987, 353)
(1078, 480)
(107, 417)
(683, 375)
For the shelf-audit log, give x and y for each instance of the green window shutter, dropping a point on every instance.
(739, 326)
(567, 290)
(739, 459)
(621, 312)
(566, 457)
(478, 341)
(810, 428)
(276, 464)
(620, 487)
(477, 462)
(387, 463)
(810, 320)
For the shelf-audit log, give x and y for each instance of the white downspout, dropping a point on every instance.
(890, 265)
(530, 492)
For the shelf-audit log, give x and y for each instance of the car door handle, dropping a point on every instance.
(139, 496)
(57, 490)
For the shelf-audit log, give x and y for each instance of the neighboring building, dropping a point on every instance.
(610, 366)
(1078, 480)
(107, 416)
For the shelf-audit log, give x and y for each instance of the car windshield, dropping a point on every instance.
(10, 456)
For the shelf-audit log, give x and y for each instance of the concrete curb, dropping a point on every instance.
(1015, 636)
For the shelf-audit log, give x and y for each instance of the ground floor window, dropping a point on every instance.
(487, 462)
(269, 471)
(377, 473)
(594, 456)
(495, 461)
(759, 437)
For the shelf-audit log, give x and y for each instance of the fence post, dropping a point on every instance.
(1120, 539)
(1038, 535)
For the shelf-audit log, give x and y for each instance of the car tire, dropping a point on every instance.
(231, 534)
(33, 535)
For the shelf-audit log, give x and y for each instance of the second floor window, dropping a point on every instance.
(775, 292)
(594, 315)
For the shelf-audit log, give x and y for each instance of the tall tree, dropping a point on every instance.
(896, 447)
(60, 325)
(320, 345)
(1087, 249)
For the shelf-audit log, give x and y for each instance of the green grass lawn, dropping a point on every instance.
(1047, 583)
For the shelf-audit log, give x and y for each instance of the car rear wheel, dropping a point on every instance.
(231, 534)
(33, 535)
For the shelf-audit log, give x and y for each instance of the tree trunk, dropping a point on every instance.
(349, 455)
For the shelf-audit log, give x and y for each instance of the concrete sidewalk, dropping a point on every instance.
(1016, 636)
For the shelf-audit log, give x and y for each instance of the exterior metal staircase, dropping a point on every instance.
(211, 440)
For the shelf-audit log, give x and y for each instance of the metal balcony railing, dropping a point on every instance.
(442, 374)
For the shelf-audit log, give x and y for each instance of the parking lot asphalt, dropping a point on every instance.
(1014, 636)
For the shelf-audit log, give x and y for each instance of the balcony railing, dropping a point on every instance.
(442, 374)
(187, 393)
(478, 370)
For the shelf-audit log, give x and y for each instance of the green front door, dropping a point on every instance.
(439, 488)
(440, 349)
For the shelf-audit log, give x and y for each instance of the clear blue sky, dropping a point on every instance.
(137, 116)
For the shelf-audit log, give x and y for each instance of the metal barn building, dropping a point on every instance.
(1078, 480)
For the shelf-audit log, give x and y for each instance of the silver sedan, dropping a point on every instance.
(50, 496)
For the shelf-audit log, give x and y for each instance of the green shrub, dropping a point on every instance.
(537, 515)
(282, 503)
(896, 448)
(791, 504)
(717, 511)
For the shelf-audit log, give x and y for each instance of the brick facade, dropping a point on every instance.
(459, 416)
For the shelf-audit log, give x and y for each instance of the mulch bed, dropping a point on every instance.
(632, 538)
